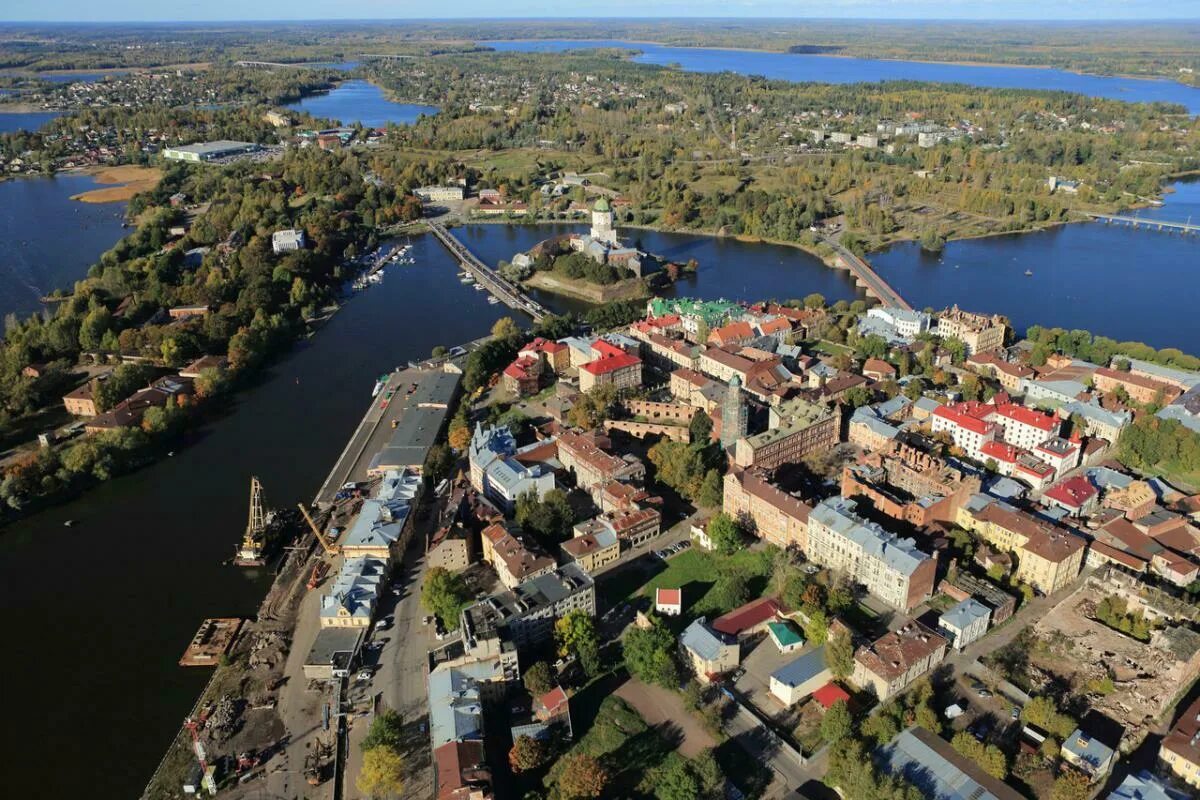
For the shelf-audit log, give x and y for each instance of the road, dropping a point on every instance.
(399, 682)
(752, 736)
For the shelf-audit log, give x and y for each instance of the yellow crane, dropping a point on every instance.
(330, 549)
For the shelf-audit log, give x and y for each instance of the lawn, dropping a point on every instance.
(696, 572)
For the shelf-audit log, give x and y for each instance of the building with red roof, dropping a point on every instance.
(1024, 427)
(877, 369)
(733, 333)
(523, 376)
(966, 425)
(829, 694)
(751, 618)
(668, 602)
(620, 370)
(1077, 496)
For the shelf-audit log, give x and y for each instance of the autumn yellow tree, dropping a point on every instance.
(382, 773)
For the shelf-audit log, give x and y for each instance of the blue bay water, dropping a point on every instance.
(360, 101)
(836, 69)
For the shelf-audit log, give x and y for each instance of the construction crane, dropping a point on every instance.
(330, 549)
(251, 553)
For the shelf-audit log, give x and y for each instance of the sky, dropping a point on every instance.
(181, 10)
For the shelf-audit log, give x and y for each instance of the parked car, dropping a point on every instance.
(365, 675)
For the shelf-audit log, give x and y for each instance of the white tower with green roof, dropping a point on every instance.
(602, 223)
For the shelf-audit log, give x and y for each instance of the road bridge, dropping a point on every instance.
(506, 292)
(866, 277)
(1156, 224)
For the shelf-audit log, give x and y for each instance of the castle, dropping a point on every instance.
(602, 244)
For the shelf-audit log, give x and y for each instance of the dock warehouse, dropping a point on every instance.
(333, 653)
(209, 151)
(426, 407)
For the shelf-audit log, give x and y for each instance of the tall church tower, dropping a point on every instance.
(602, 223)
(733, 413)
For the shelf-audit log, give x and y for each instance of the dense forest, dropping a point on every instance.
(662, 138)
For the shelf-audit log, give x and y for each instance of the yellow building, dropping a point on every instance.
(1048, 558)
(774, 514)
(1180, 750)
(595, 545)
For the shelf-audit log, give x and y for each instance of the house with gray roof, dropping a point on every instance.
(1087, 754)
(891, 568)
(1145, 786)
(1097, 421)
(708, 652)
(456, 697)
(938, 770)
(1054, 392)
(354, 593)
(798, 679)
(966, 622)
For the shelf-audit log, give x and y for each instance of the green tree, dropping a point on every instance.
(836, 724)
(857, 396)
(730, 591)
(712, 490)
(650, 654)
(576, 636)
(387, 730)
(816, 630)
(700, 427)
(538, 679)
(725, 534)
(445, 594)
(839, 655)
(814, 301)
(676, 780)
(550, 519)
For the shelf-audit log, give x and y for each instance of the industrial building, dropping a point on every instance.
(209, 151)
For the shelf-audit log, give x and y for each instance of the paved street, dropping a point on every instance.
(399, 680)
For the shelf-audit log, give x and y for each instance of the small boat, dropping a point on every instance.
(493, 300)
(69, 523)
(478, 288)
(379, 384)
(1028, 273)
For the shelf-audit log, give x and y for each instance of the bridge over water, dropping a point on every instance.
(506, 292)
(1156, 224)
(866, 277)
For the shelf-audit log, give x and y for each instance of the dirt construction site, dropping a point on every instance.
(1146, 677)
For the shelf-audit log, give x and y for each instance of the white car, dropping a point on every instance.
(365, 675)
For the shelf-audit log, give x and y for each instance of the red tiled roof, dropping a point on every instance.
(668, 597)
(607, 349)
(603, 366)
(1072, 492)
(753, 613)
(829, 694)
(1001, 452)
(878, 365)
(553, 700)
(962, 418)
(733, 332)
(777, 325)
(1027, 416)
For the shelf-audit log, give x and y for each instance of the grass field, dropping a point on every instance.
(696, 572)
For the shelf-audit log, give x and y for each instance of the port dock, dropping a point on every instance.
(212, 641)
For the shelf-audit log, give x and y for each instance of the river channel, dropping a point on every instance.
(102, 610)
